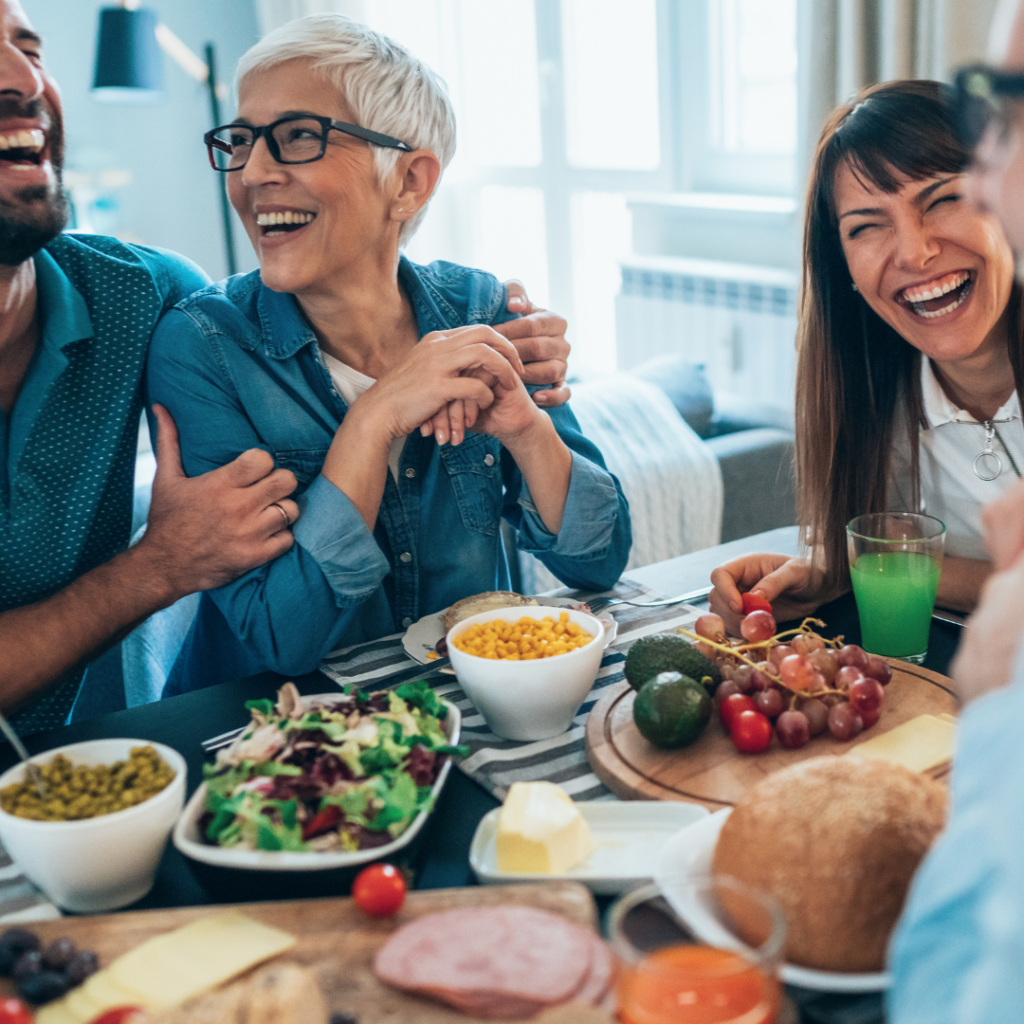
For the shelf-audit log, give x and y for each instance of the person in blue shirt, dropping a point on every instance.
(957, 956)
(76, 316)
(379, 383)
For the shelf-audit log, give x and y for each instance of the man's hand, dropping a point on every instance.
(539, 337)
(206, 531)
(989, 646)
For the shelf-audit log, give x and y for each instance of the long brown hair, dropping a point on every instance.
(858, 380)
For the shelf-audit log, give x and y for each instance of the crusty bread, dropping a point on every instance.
(836, 840)
(491, 601)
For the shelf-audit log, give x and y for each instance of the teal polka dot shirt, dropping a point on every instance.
(68, 446)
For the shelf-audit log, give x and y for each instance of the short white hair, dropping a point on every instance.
(389, 90)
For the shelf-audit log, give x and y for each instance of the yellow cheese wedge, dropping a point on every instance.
(540, 829)
(168, 969)
(920, 744)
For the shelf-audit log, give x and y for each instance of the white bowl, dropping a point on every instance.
(530, 700)
(99, 863)
(189, 841)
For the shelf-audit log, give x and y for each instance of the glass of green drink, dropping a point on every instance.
(895, 562)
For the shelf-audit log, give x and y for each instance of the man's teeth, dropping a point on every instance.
(265, 220)
(938, 291)
(32, 140)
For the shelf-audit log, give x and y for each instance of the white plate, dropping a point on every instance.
(188, 841)
(421, 637)
(688, 856)
(630, 836)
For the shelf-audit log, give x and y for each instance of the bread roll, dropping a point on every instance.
(490, 601)
(836, 840)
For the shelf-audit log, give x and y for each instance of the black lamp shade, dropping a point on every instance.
(129, 64)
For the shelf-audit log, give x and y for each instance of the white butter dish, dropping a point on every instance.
(629, 838)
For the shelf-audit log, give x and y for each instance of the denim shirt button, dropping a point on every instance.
(488, 459)
(410, 473)
(405, 556)
(406, 622)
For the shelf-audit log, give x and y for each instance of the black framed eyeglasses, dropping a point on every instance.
(980, 93)
(298, 139)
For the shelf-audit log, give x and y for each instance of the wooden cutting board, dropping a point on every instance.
(712, 771)
(335, 939)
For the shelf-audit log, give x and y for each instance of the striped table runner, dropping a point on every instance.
(493, 762)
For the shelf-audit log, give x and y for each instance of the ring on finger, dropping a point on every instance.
(281, 509)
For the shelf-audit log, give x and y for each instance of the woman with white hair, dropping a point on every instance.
(363, 373)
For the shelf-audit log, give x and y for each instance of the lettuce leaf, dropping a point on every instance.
(418, 694)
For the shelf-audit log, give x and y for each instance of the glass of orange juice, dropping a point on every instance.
(669, 974)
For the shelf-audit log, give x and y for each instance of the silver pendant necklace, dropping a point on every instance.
(988, 465)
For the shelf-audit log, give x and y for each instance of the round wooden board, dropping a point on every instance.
(712, 771)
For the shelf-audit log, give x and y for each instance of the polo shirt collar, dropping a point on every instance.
(65, 316)
(938, 409)
(286, 331)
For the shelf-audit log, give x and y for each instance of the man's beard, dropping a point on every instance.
(39, 212)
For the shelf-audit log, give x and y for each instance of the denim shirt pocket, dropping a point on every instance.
(474, 469)
(305, 463)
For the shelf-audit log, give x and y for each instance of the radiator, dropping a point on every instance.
(738, 321)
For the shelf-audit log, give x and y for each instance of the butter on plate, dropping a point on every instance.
(540, 829)
(921, 744)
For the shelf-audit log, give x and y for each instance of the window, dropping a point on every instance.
(565, 107)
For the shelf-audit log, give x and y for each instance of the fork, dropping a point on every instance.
(600, 603)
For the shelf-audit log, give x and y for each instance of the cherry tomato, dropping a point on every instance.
(322, 821)
(119, 1015)
(755, 603)
(14, 1011)
(751, 732)
(732, 706)
(379, 890)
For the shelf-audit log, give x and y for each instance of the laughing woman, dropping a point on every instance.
(336, 356)
(911, 352)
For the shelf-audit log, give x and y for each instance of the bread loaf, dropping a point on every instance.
(490, 601)
(836, 840)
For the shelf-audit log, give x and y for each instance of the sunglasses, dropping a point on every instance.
(980, 98)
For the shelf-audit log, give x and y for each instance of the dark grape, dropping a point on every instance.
(741, 677)
(30, 962)
(816, 714)
(727, 669)
(817, 683)
(793, 728)
(81, 966)
(770, 702)
(853, 655)
(866, 694)
(725, 690)
(878, 668)
(58, 953)
(844, 722)
(42, 987)
(777, 655)
(847, 676)
(19, 939)
(826, 662)
(761, 680)
(870, 717)
(757, 627)
(711, 627)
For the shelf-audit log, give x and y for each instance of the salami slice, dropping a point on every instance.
(504, 961)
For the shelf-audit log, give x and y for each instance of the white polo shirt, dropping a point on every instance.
(950, 489)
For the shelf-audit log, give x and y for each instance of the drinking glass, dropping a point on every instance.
(895, 563)
(668, 974)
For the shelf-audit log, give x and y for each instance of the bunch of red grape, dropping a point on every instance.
(797, 680)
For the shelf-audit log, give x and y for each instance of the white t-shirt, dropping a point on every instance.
(950, 489)
(351, 384)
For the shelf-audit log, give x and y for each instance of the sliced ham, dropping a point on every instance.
(494, 962)
(598, 980)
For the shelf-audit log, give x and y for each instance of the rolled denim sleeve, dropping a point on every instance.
(289, 612)
(592, 547)
(957, 952)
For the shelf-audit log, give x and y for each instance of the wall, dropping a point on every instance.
(169, 197)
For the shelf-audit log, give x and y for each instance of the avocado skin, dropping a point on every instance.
(671, 710)
(668, 652)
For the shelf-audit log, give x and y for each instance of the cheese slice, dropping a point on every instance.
(169, 969)
(540, 829)
(920, 744)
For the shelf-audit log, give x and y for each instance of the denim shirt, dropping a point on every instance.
(239, 367)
